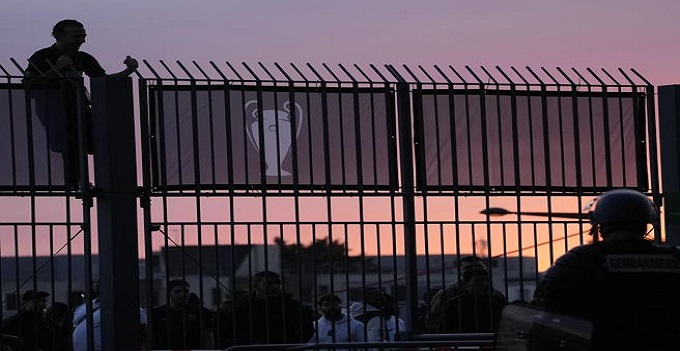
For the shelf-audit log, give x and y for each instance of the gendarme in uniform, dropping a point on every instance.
(626, 285)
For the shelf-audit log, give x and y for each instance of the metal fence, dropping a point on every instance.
(340, 179)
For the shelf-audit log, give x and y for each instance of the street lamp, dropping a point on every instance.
(499, 211)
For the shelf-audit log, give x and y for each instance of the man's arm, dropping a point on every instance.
(131, 65)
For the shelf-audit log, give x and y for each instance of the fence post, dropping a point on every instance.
(116, 189)
(407, 184)
(669, 115)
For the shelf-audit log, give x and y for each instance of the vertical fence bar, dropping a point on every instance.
(669, 115)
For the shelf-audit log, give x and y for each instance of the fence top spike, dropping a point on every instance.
(285, 74)
(596, 76)
(224, 77)
(299, 72)
(331, 72)
(559, 69)
(264, 68)
(318, 76)
(390, 68)
(505, 75)
(426, 73)
(368, 79)
(488, 74)
(611, 77)
(581, 77)
(550, 75)
(186, 71)
(519, 74)
(458, 75)
(640, 76)
(347, 72)
(153, 71)
(535, 75)
(441, 72)
(252, 73)
(5, 71)
(233, 69)
(474, 74)
(408, 70)
(200, 69)
(172, 74)
(18, 66)
(377, 71)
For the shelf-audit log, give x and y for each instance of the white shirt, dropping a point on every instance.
(347, 329)
(80, 313)
(80, 332)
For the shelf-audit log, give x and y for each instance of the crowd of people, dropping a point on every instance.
(264, 315)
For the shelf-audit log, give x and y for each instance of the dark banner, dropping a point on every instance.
(30, 156)
(247, 136)
(530, 140)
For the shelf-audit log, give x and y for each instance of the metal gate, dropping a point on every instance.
(342, 180)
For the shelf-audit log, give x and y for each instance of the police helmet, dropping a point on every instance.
(623, 206)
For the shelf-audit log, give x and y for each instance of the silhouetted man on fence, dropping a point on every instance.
(59, 102)
(628, 287)
(270, 316)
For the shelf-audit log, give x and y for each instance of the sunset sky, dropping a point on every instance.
(538, 33)
(579, 33)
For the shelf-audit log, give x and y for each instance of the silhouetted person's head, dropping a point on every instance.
(266, 284)
(470, 262)
(95, 288)
(178, 290)
(476, 281)
(69, 34)
(59, 313)
(623, 214)
(34, 301)
(329, 305)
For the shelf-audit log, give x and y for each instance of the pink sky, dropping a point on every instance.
(580, 33)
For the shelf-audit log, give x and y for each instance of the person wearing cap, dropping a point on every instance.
(271, 316)
(335, 326)
(477, 284)
(181, 324)
(626, 285)
(29, 323)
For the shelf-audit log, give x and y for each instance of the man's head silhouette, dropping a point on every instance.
(69, 34)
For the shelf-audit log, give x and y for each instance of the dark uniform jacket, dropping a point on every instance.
(275, 320)
(438, 318)
(180, 329)
(34, 330)
(630, 290)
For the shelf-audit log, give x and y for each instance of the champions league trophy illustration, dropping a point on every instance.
(276, 125)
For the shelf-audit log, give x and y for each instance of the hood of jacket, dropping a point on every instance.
(357, 309)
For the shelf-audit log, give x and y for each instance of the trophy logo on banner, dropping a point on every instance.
(276, 128)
